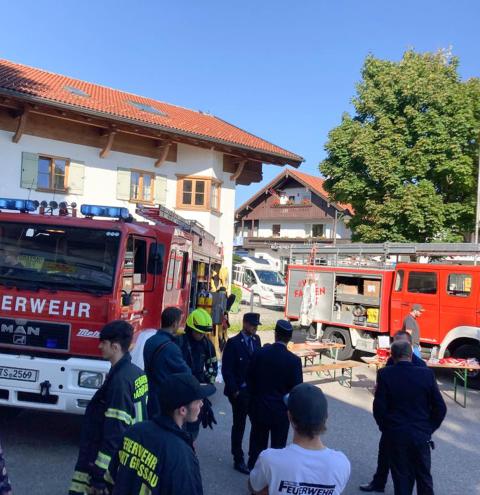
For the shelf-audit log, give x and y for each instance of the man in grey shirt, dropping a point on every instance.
(410, 325)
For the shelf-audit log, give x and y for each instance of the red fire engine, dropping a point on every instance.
(63, 277)
(355, 299)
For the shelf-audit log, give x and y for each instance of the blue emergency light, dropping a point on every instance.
(105, 211)
(23, 205)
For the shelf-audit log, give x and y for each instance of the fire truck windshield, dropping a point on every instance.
(57, 257)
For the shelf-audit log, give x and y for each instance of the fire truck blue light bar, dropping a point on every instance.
(18, 204)
(104, 211)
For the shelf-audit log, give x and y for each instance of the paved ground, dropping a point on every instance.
(41, 447)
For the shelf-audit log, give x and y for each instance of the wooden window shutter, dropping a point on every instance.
(76, 177)
(29, 170)
(123, 184)
(160, 190)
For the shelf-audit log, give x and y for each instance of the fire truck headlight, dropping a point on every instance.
(90, 379)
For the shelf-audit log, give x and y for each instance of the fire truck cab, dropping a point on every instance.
(63, 277)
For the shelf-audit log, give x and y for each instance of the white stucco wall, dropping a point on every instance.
(295, 228)
(101, 178)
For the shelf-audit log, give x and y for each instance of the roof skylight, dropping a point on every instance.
(145, 107)
(76, 91)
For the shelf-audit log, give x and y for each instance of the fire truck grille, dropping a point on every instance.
(34, 334)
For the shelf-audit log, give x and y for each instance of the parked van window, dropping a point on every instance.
(459, 284)
(249, 278)
(422, 282)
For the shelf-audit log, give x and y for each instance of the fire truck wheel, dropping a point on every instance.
(470, 351)
(341, 336)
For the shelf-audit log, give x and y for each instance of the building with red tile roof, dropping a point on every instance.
(292, 210)
(70, 140)
(39, 86)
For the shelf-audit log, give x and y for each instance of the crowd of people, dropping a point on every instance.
(139, 429)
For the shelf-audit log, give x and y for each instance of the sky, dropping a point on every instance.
(283, 70)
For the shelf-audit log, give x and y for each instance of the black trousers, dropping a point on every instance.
(240, 412)
(383, 464)
(276, 427)
(410, 462)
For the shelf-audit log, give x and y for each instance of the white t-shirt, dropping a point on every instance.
(298, 471)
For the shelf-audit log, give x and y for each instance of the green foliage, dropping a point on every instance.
(234, 289)
(407, 160)
(236, 259)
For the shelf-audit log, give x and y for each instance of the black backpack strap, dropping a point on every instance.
(156, 352)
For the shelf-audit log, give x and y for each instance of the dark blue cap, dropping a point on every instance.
(252, 318)
(307, 404)
(283, 326)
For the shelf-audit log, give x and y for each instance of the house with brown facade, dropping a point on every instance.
(292, 210)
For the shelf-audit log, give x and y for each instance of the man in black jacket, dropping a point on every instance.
(201, 358)
(236, 357)
(383, 464)
(157, 456)
(272, 373)
(408, 408)
(119, 403)
(162, 357)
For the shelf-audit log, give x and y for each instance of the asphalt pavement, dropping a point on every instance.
(41, 448)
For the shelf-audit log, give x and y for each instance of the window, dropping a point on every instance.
(276, 230)
(76, 91)
(317, 230)
(249, 278)
(171, 269)
(198, 193)
(399, 281)
(459, 284)
(52, 173)
(141, 186)
(136, 259)
(184, 270)
(422, 282)
(145, 107)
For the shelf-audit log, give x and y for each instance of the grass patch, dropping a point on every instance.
(236, 327)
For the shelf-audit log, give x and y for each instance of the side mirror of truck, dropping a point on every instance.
(155, 259)
(126, 298)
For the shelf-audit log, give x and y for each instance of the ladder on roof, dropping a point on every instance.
(164, 215)
(393, 248)
(364, 252)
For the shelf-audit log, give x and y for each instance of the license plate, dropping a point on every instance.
(21, 374)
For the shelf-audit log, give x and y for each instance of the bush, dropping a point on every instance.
(234, 289)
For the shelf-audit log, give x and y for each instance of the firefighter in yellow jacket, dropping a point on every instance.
(119, 403)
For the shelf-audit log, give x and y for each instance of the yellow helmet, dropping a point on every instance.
(200, 321)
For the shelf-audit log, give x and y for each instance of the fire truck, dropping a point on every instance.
(356, 296)
(62, 277)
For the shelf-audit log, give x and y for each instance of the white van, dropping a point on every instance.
(256, 276)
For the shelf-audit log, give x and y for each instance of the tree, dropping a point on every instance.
(407, 160)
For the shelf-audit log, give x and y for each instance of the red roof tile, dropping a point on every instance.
(311, 181)
(114, 103)
(316, 183)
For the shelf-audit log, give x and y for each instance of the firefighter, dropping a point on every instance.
(119, 403)
(199, 354)
(157, 456)
(162, 357)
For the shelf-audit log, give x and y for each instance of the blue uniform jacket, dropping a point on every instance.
(235, 360)
(272, 373)
(160, 365)
(408, 402)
